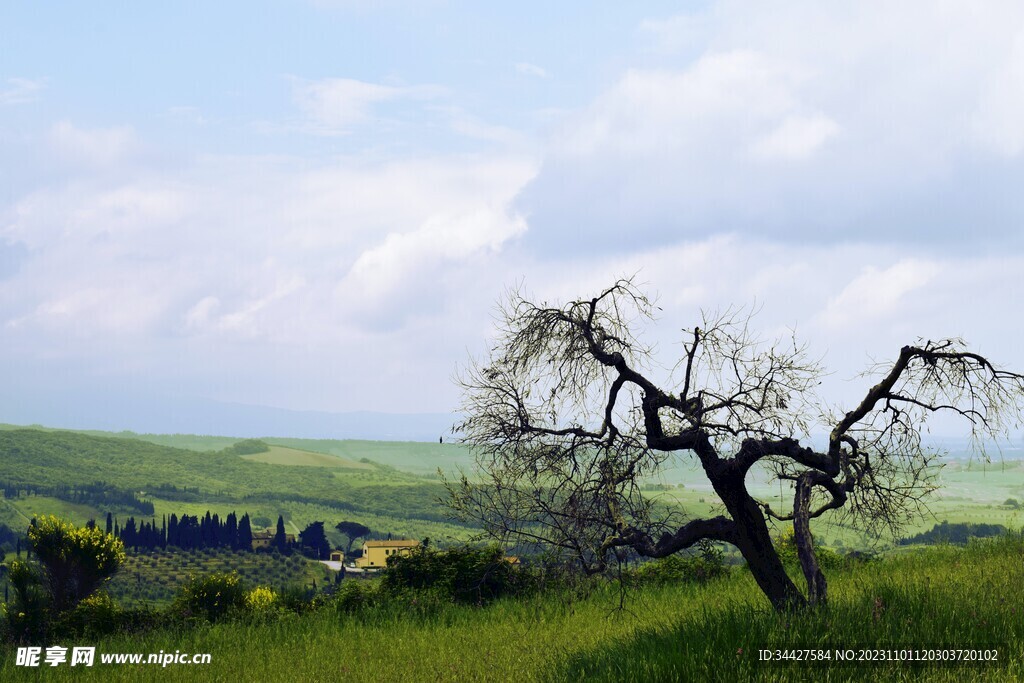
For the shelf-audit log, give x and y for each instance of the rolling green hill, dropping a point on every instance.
(415, 457)
(320, 486)
(390, 486)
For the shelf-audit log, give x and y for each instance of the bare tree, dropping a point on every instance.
(565, 422)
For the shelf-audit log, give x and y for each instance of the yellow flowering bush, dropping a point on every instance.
(261, 599)
(75, 560)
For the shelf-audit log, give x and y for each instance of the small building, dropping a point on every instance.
(265, 538)
(376, 553)
(337, 556)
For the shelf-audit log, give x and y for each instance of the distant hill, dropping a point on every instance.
(177, 415)
(47, 457)
(416, 457)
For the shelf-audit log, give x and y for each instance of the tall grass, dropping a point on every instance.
(943, 596)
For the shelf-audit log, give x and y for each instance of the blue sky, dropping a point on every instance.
(315, 205)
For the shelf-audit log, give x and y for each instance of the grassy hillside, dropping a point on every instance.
(180, 480)
(939, 597)
(415, 457)
(306, 480)
(283, 455)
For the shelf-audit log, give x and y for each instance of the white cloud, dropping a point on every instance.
(999, 118)
(878, 293)
(258, 248)
(21, 91)
(660, 111)
(198, 317)
(404, 267)
(470, 126)
(851, 304)
(796, 138)
(904, 118)
(84, 215)
(335, 105)
(93, 147)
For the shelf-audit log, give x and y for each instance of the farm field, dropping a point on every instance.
(153, 578)
(283, 455)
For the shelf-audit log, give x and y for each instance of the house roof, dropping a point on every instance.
(390, 544)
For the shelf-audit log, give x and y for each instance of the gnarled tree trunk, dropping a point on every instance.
(817, 587)
(755, 544)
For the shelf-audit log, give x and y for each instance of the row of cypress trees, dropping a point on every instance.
(190, 532)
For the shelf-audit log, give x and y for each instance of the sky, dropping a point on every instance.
(315, 206)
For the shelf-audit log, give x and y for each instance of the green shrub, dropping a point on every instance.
(100, 615)
(464, 574)
(75, 561)
(354, 596)
(676, 569)
(211, 597)
(26, 618)
(247, 447)
(297, 599)
(785, 545)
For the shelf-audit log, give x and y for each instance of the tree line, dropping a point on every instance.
(192, 532)
(99, 494)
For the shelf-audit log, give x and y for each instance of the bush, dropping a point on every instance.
(676, 569)
(247, 447)
(75, 561)
(464, 574)
(785, 545)
(99, 615)
(354, 596)
(297, 599)
(212, 597)
(262, 604)
(261, 599)
(27, 616)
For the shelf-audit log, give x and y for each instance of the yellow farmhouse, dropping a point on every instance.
(376, 553)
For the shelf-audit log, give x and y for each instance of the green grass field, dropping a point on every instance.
(283, 455)
(937, 597)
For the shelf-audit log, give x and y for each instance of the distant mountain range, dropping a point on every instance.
(203, 416)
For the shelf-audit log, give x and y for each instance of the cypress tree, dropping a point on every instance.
(245, 533)
(231, 527)
(280, 540)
